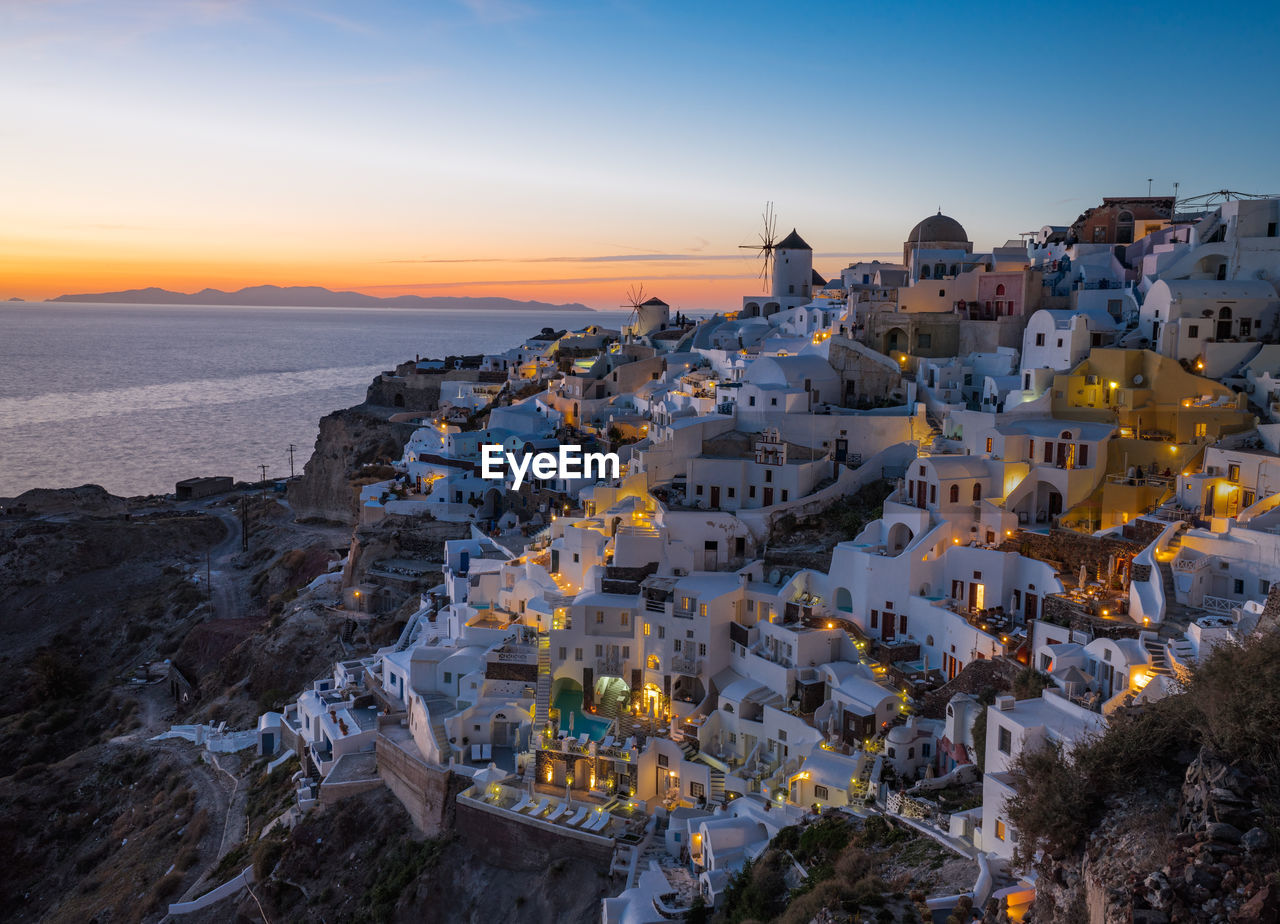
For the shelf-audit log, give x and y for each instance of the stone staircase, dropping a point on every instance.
(613, 704)
(542, 702)
(690, 747)
(717, 786)
(1159, 658)
(442, 739)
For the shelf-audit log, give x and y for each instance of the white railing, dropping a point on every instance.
(1218, 604)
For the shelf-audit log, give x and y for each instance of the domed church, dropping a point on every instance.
(937, 232)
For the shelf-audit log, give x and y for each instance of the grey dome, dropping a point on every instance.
(938, 228)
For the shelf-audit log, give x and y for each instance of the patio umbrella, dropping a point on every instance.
(571, 723)
(1084, 576)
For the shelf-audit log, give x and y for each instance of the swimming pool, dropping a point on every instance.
(569, 702)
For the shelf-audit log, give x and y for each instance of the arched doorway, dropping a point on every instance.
(900, 537)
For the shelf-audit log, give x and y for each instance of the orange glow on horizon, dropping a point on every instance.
(36, 276)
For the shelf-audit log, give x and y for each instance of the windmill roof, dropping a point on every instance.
(792, 241)
(818, 280)
(656, 301)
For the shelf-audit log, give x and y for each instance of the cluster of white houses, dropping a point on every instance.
(1084, 481)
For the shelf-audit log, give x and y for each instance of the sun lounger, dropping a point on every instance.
(598, 823)
(475, 753)
(583, 739)
(486, 752)
(578, 818)
(561, 809)
(522, 804)
(538, 809)
(608, 742)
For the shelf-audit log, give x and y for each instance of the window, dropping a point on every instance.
(942, 293)
(820, 792)
(1059, 343)
(626, 618)
(577, 654)
(564, 654)
(1264, 586)
(702, 649)
(977, 491)
(773, 402)
(662, 760)
(702, 609)
(784, 494)
(599, 616)
(732, 492)
(989, 443)
(599, 651)
(448, 677)
(768, 476)
(1082, 455)
(875, 619)
(925, 749)
(893, 752)
(751, 402)
(662, 631)
(1193, 331)
(1039, 339)
(575, 556)
(1000, 289)
(751, 491)
(697, 489)
(1238, 586)
(1233, 473)
(1005, 742)
(696, 790)
(1202, 429)
(686, 603)
(675, 645)
(933, 493)
(646, 628)
(626, 652)
(1000, 830)
(955, 494)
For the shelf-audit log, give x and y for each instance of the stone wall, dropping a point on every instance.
(977, 676)
(501, 840)
(427, 792)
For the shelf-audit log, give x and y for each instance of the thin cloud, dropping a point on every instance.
(632, 258)
(564, 281)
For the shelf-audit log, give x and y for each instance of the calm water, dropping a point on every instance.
(135, 398)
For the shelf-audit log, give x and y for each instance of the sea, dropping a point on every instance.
(138, 397)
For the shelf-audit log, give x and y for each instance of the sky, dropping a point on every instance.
(563, 151)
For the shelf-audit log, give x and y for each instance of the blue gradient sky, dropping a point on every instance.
(493, 146)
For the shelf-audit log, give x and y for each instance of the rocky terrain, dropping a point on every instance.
(355, 447)
(1172, 814)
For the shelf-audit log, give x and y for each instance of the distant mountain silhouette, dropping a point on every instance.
(309, 297)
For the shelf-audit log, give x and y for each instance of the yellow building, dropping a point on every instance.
(1164, 417)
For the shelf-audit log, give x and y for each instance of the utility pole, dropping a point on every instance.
(244, 523)
(264, 471)
(292, 449)
(208, 575)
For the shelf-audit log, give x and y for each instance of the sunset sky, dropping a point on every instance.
(560, 151)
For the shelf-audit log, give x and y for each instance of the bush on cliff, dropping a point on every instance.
(1231, 704)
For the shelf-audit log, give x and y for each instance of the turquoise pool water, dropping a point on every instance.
(569, 702)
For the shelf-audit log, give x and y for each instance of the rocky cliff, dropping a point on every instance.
(1198, 853)
(354, 447)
